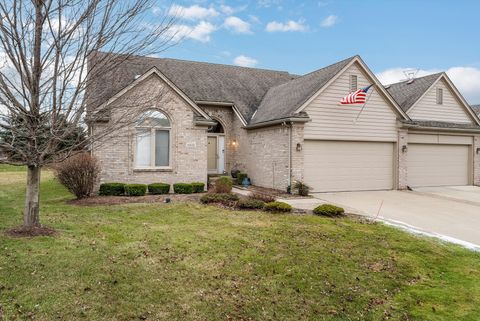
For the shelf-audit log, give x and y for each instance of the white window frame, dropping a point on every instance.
(153, 130)
(439, 96)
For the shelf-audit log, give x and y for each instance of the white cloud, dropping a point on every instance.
(228, 10)
(194, 12)
(245, 61)
(237, 25)
(290, 25)
(200, 32)
(466, 79)
(329, 21)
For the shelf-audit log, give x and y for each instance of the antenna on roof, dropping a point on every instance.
(410, 74)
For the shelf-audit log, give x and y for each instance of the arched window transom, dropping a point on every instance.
(152, 140)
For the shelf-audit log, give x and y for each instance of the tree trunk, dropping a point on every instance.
(31, 216)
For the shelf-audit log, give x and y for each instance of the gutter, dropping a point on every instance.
(278, 122)
(205, 122)
(447, 129)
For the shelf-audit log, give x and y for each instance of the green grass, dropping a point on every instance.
(194, 262)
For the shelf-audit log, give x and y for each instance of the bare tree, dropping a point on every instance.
(44, 47)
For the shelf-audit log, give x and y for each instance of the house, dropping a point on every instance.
(193, 119)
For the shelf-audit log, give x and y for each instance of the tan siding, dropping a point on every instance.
(450, 111)
(330, 120)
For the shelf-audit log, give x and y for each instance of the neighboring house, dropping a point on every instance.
(196, 119)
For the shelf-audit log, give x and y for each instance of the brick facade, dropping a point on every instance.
(402, 178)
(476, 160)
(188, 142)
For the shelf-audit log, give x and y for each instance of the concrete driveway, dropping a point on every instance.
(451, 213)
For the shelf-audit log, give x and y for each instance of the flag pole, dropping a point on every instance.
(363, 107)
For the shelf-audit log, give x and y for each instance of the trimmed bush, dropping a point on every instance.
(135, 189)
(223, 184)
(198, 187)
(78, 174)
(112, 189)
(278, 207)
(329, 210)
(240, 177)
(223, 198)
(262, 197)
(183, 188)
(250, 204)
(159, 188)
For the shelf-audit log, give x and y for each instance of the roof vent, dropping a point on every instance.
(136, 77)
(387, 86)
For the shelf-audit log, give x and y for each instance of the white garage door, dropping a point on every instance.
(348, 166)
(438, 165)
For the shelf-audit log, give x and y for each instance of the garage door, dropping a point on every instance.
(438, 165)
(348, 166)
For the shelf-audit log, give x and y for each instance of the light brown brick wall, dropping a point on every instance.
(476, 161)
(188, 142)
(402, 160)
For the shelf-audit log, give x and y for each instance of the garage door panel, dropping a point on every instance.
(438, 165)
(348, 166)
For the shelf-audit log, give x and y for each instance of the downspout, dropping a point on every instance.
(290, 137)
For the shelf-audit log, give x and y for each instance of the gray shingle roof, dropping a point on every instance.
(406, 94)
(476, 109)
(440, 124)
(245, 87)
(281, 101)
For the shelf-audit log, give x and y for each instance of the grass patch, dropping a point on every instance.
(196, 262)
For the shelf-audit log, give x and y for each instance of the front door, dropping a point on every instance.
(212, 154)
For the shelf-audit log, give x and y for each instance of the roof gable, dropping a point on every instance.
(409, 94)
(281, 101)
(146, 75)
(291, 98)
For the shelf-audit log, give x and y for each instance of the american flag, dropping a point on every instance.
(357, 97)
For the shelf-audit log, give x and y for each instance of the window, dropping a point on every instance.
(439, 96)
(152, 140)
(353, 83)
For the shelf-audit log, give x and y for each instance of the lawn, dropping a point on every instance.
(195, 262)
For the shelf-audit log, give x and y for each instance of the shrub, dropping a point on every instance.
(223, 198)
(78, 174)
(329, 210)
(249, 203)
(112, 189)
(198, 187)
(223, 185)
(240, 177)
(159, 188)
(262, 197)
(278, 207)
(301, 188)
(183, 188)
(135, 189)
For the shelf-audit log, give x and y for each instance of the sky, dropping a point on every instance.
(392, 36)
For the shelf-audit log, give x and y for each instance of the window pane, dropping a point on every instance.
(153, 118)
(143, 148)
(162, 147)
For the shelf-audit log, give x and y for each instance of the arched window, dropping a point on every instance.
(152, 140)
(217, 129)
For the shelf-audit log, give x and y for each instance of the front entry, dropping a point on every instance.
(216, 154)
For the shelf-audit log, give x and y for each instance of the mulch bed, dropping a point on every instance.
(118, 200)
(31, 231)
(270, 191)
